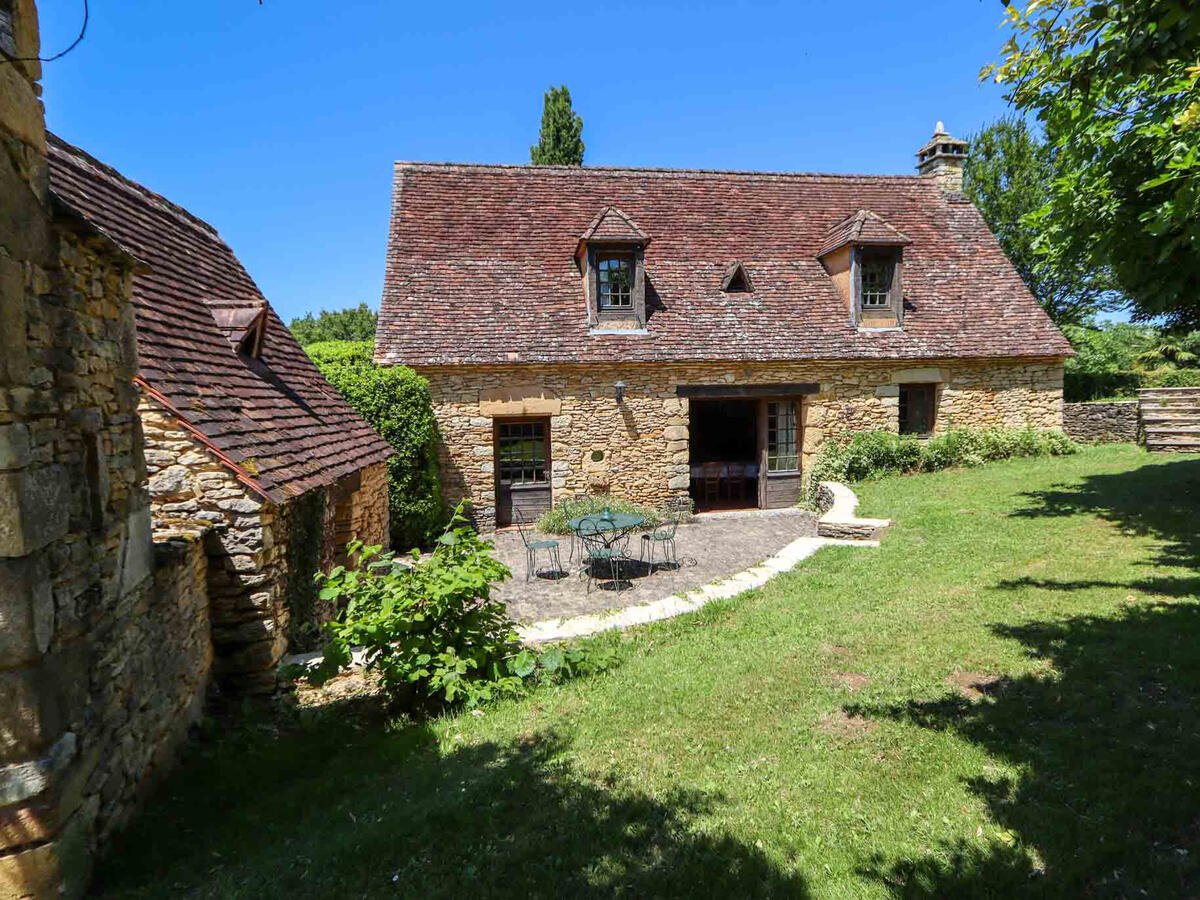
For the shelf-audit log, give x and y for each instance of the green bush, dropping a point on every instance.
(395, 401)
(430, 628)
(555, 520)
(1172, 378)
(869, 454)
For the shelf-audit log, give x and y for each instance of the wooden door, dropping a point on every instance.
(522, 462)
(780, 438)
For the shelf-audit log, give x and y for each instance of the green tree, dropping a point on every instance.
(1117, 88)
(561, 140)
(395, 401)
(354, 324)
(1008, 177)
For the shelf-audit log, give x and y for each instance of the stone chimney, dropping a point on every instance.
(943, 158)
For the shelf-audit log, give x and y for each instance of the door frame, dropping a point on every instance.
(497, 421)
(763, 472)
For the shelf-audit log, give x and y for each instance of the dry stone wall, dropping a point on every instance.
(104, 647)
(638, 448)
(1102, 422)
(249, 542)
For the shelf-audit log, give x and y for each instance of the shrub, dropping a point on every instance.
(555, 520)
(869, 454)
(395, 401)
(430, 628)
(1172, 378)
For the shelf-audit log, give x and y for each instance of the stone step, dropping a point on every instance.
(1157, 432)
(1170, 415)
(1168, 391)
(1171, 401)
(1173, 448)
(1186, 439)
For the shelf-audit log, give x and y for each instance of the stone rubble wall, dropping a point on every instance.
(194, 494)
(1101, 422)
(643, 442)
(104, 648)
(248, 538)
(369, 512)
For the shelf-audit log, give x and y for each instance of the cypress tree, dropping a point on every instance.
(561, 140)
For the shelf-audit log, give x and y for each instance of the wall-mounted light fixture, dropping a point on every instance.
(620, 389)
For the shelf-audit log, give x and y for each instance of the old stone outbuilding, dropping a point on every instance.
(656, 332)
(245, 442)
(164, 445)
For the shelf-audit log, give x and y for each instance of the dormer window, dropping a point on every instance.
(877, 271)
(877, 286)
(863, 254)
(614, 273)
(611, 255)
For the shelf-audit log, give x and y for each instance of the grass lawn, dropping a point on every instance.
(1000, 701)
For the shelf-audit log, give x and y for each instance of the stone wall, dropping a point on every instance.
(643, 441)
(194, 494)
(1101, 422)
(250, 544)
(103, 643)
(369, 516)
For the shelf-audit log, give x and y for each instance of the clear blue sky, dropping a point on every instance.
(278, 122)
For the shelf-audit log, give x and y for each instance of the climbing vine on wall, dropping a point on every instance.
(306, 529)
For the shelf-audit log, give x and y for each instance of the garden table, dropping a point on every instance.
(613, 527)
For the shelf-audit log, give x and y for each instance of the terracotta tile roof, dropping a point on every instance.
(481, 268)
(863, 227)
(275, 417)
(610, 223)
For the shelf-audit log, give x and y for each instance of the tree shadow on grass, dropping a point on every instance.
(1158, 500)
(329, 812)
(1106, 740)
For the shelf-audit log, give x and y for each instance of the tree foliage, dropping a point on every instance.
(561, 140)
(354, 324)
(1008, 177)
(395, 401)
(1117, 88)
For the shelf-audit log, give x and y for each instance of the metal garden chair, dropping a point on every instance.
(663, 534)
(596, 551)
(534, 546)
(579, 497)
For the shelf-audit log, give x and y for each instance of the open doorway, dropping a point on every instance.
(724, 453)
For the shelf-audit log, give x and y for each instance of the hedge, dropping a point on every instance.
(395, 401)
(871, 453)
(1080, 387)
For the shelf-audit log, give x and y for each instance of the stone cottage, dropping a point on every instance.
(655, 332)
(245, 441)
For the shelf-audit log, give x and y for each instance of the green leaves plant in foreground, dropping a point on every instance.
(429, 626)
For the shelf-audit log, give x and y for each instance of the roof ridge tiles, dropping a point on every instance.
(655, 171)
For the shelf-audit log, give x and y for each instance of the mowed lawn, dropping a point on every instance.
(1002, 700)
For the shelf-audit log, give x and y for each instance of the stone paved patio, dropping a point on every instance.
(711, 547)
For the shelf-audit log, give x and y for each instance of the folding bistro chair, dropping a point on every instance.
(533, 546)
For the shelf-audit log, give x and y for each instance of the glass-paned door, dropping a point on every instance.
(522, 449)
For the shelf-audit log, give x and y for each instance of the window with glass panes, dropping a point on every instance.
(615, 277)
(918, 403)
(521, 452)
(782, 454)
(876, 282)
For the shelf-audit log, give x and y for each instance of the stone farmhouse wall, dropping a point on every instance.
(247, 537)
(644, 440)
(1102, 422)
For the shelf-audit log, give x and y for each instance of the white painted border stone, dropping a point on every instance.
(688, 601)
